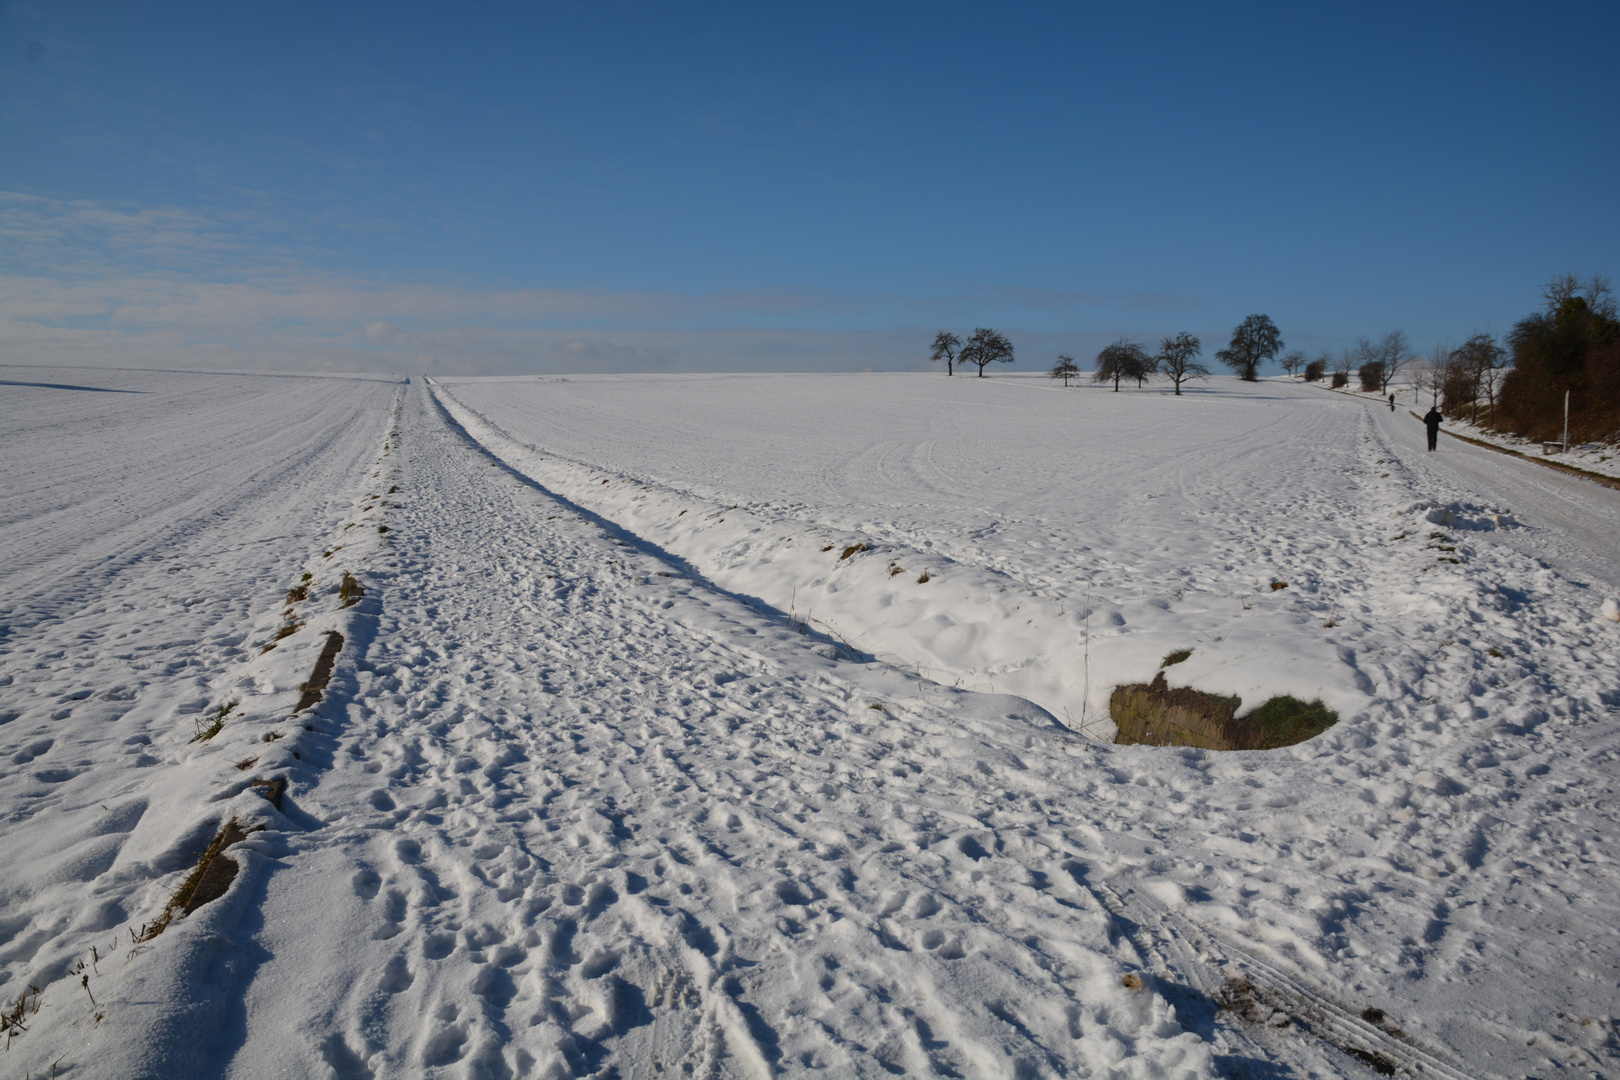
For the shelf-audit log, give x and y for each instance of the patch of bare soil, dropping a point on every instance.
(316, 686)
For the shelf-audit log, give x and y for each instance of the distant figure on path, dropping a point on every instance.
(1392, 403)
(1431, 420)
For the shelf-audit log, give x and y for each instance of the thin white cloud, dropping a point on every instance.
(84, 282)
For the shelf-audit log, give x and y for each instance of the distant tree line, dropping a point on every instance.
(1253, 342)
(1374, 362)
(1571, 346)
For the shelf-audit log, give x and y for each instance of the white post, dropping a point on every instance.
(1566, 421)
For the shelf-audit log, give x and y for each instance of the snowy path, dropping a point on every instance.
(1575, 523)
(583, 816)
(569, 809)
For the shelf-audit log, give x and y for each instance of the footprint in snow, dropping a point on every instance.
(396, 977)
(32, 751)
(366, 883)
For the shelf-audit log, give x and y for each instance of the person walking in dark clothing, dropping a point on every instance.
(1431, 420)
(1392, 403)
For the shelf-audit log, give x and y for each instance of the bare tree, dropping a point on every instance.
(1562, 287)
(1368, 363)
(1371, 361)
(1597, 291)
(1064, 369)
(1293, 363)
(1394, 352)
(984, 347)
(1124, 359)
(1430, 376)
(1256, 339)
(1178, 359)
(1148, 368)
(1600, 296)
(1484, 362)
(1493, 368)
(1342, 367)
(945, 346)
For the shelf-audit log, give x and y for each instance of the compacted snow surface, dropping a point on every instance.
(751, 726)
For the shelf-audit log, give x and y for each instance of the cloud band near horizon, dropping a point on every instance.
(116, 286)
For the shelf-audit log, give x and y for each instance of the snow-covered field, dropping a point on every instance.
(624, 770)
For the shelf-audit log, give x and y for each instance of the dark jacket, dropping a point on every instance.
(1432, 419)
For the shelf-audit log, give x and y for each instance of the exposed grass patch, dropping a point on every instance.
(246, 763)
(208, 880)
(286, 630)
(924, 579)
(350, 591)
(211, 725)
(12, 1020)
(393, 489)
(316, 686)
(879, 708)
(382, 528)
(1278, 585)
(1175, 658)
(1286, 720)
(851, 550)
(1155, 714)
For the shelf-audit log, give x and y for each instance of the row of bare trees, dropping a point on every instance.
(1457, 379)
(982, 348)
(1176, 360)
(1376, 362)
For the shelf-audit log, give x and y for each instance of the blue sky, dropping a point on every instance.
(629, 186)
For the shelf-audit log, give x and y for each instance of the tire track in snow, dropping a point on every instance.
(1262, 993)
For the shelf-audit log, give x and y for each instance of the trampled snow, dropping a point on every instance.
(626, 768)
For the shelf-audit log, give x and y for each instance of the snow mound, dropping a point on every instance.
(1610, 609)
(1462, 515)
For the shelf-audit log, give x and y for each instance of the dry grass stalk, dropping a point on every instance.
(208, 880)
